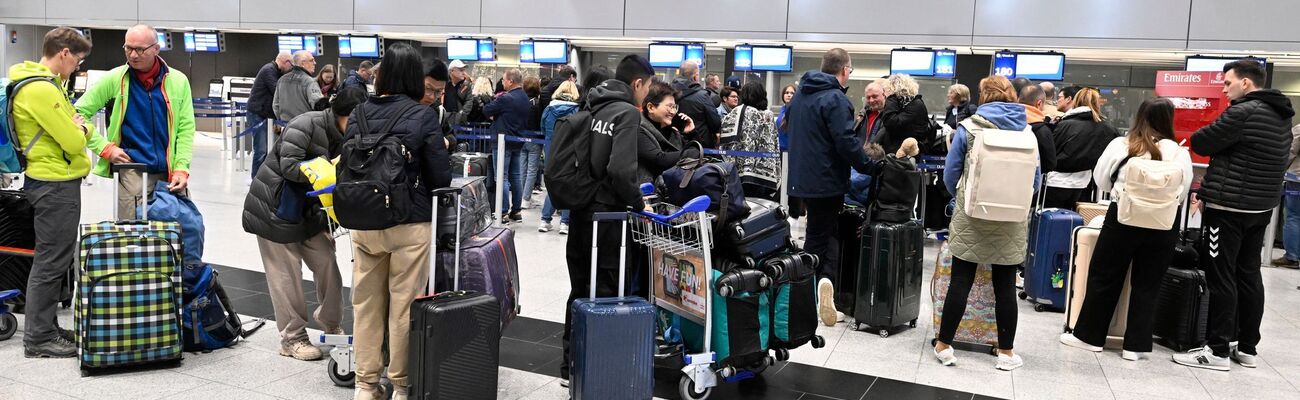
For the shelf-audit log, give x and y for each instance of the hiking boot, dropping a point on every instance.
(53, 348)
(67, 334)
(300, 349)
(544, 227)
(826, 302)
(1203, 358)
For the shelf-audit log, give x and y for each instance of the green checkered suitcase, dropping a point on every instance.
(128, 306)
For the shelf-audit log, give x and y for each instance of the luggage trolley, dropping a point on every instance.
(342, 364)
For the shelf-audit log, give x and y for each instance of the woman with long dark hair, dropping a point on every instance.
(1148, 251)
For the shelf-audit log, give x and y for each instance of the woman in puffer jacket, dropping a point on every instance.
(1080, 136)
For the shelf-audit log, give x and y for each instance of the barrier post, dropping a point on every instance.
(499, 174)
(783, 184)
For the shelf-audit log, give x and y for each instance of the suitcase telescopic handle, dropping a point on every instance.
(433, 240)
(596, 219)
(116, 170)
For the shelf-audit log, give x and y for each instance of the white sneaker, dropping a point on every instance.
(826, 302)
(564, 229)
(1006, 363)
(1246, 360)
(1133, 355)
(1068, 339)
(1203, 358)
(400, 393)
(947, 357)
(544, 227)
(527, 205)
(840, 317)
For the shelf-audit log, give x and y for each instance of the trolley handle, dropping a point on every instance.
(698, 204)
(323, 191)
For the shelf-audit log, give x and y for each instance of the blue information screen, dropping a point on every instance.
(487, 50)
(744, 59)
(1004, 64)
(526, 51)
(945, 64)
(695, 52)
(203, 42)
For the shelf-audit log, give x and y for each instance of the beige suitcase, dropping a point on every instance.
(1085, 240)
(1090, 211)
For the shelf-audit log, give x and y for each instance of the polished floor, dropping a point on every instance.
(853, 365)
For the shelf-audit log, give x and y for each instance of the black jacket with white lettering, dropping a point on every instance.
(615, 125)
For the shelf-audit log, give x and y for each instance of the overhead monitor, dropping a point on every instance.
(487, 49)
(548, 51)
(667, 55)
(360, 46)
(772, 58)
(1040, 66)
(203, 42)
(526, 51)
(744, 58)
(465, 49)
(294, 43)
(164, 41)
(1215, 64)
(945, 63)
(914, 62)
(695, 52)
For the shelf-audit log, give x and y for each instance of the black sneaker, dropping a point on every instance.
(564, 378)
(53, 348)
(515, 217)
(67, 334)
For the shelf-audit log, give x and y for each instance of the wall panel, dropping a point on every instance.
(553, 17)
(212, 14)
(417, 16)
(91, 12)
(944, 22)
(1096, 23)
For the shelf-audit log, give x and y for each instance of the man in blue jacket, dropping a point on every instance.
(510, 114)
(820, 158)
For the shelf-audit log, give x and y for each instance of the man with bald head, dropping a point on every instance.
(297, 92)
(1049, 104)
(259, 103)
(152, 122)
(868, 120)
(696, 102)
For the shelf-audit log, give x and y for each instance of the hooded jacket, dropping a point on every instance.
(824, 146)
(902, 119)
(615, 126)
(60, 154)
(295, 94)
(311, 135)
(558, 109)
(1038, 122)
(115, 87)
(1079, 142)
(976, 240)
(1248, 146)
(695, 102)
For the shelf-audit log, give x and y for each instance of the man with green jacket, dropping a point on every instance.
(53, 137)
(152, 120)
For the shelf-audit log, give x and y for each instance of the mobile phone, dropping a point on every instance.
(679, 122)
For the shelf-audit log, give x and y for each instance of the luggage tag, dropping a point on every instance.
(1058, 280)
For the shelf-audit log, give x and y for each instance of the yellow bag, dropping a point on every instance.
(320, 172)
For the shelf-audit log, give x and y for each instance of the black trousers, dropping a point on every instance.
(1231, 260)
(821, 237)
(1004, 293)
(1061, 198)
(1149, 251)
(578, 256)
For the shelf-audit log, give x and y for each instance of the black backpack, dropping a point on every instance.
(569, 181)
(894, 190)
(376, 181)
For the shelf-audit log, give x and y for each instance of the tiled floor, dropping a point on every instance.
(853, 365)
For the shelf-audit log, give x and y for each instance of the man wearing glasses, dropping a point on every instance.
(152, 121)
(297, 91)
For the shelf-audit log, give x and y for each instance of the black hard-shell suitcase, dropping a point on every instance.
(851, 220)
(455, 340)
(760, 234)
(889, 284)
(1182, 309)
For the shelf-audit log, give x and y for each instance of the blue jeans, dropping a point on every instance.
(532, 162)
(259, 141)
(1291, 228)
(514, 166)
(548, 210)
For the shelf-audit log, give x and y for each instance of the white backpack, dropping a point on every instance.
(1150, 195)
(999, 179)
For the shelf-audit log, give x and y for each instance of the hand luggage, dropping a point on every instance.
(375, 179)
(1090, 211)
(475, 213)
(1085, 242)
(613, 346)
(934, 211)
(128, 308)
(464, 164)
(209, 320)
(978, 329)
(895, 191)
(455, 337)
(794, 300)
(889, 282)
(1047, 265)
(851, 220)
(752, 238)
(740, 282)
(1182, 309)
(693, 177)
(488, 264)
(999, 178)
(18, 246)
(741, 329)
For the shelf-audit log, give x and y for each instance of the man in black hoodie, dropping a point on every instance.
(695, 102)
(1249, 146)
(615, 124)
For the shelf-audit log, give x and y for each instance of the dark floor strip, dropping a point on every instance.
(534, 345)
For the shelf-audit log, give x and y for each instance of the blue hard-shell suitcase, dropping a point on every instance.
(1047, 265)
(613, 342)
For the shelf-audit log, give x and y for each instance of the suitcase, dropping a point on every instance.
(738, 281)
(978, 330)
(1090, 211)
(1047, 264)
(613, 340)
(488, 264)
(934, 209)
(128, 307)
(889, 283)
(455, 338)
(1182, 309)
(760, 234)
(794, 300)
(1085, 241)
(18, 246)
(851, 220)
(475, 212)
(741, 329)
(471, 164)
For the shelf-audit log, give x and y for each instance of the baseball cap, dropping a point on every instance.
(456, 64)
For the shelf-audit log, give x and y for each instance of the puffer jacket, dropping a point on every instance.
(904, 118)
(311, 135)
(976, 240)
(1248, 146)
(419, 130)
(1080, 141)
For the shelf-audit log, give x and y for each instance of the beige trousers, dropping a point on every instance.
(283, 264)
(128, 193)
(390, 271)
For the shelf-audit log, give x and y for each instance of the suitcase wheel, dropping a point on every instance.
(686, 388)
(8, 326)
(783, 354)
(764, 282)
(1040, 307)
(1024, 295)
(817, 343)
(912, 324)
(857, 326)
(884, 333)
(345, 380)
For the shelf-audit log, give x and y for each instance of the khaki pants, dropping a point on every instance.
(128, 193)
(283, 264)
(391, 269)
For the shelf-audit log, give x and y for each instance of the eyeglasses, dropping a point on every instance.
(138, 50)
(670, 107)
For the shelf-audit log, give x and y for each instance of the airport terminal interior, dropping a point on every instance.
(1127, 52)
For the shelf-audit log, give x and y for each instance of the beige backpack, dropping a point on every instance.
(999, 178)
(1149, 198)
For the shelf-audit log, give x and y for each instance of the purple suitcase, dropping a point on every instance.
(489, 265)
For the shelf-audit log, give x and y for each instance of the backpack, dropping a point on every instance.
(694, 177)
(208, 322)
(376, 182)
(1149, 198)
(12, 160)
(569, 181)
(999, 178)
(894, 190)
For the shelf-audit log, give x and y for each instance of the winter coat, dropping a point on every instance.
(1248, 146)
(659, 149)
(60, 154)
(1043, 130)
(115, 87)
(1079, 141)
(823, 145)
(976, 240)
(295, 94)
(311, 135)
(956, 114)
(558, 109)
(902, 119)
(510, 113)
(263, 92)
(694, 101)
